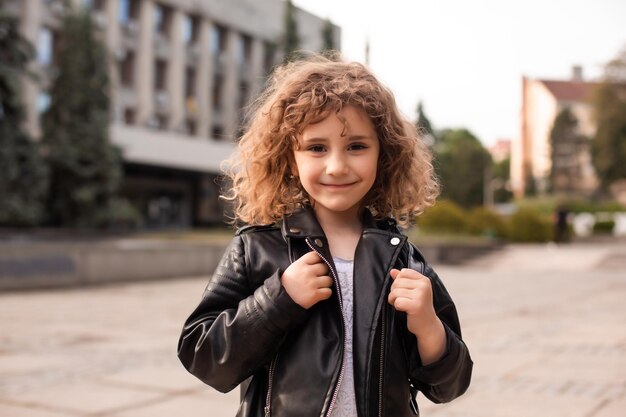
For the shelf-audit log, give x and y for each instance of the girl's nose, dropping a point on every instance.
(336, 164)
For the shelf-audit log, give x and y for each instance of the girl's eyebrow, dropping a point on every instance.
(348, 138)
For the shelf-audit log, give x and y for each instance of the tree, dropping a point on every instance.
(328, 38)
(461, 162)
(501, 171)
(609, 109)
(566, 146)
(85, 166)
(291, 40)
(424, 127)
(23, 180)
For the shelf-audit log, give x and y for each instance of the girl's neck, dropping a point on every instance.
(343, 231)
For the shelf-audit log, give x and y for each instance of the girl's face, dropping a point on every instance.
(337, 161)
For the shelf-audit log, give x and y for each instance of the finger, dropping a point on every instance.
(403, 293)
(402, 304)
(394, 273)
(324, 293)
(324, 281)
(319, 269)
(311, 258)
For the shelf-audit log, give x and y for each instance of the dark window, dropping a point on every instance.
(190, 82)
(129, 116)
(127, 69)
(160, 74)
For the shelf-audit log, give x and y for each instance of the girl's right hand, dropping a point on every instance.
(307, 281)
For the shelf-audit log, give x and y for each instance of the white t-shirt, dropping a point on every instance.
(345, 405)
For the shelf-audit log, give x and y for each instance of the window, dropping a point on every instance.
(43, 102)
(243, 94)
(190, 127)
(161, 122)
(217, 132)
(160, 75)
(162, 19)
(94, 4)
(128, 11)
(190, 29)
(217, 92)
(190, 82)
(244, 49)
(45, 46)
(129, 116)
(269, 56)
(127, 70)
(218, 40)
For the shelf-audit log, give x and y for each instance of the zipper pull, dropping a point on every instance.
(412, 401)
(267, 411)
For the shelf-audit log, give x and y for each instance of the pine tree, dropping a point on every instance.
(328, 38)
(424, 127)
(23, 179)
(609, 105)
(85, 166)
(291, 40)
(566, 143)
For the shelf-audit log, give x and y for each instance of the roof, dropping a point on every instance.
(569, 90)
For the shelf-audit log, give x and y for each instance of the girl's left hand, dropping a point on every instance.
(411, 292)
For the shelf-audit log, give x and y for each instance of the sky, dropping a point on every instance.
(464, 59)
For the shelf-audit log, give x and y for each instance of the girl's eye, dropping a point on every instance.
(316, 148)
(357, 147)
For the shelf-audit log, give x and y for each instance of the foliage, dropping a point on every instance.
(291, 39)
(424, 127)
(483, 221)
(445, 216)
(603, 227)
(566, 143)
(328, 38)
(609, 108)
(527, 225)
(460, 163)
(23, 182)
(501, 171)
(119, 214)
(85, 166)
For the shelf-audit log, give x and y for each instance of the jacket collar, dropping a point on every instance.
(302, 223)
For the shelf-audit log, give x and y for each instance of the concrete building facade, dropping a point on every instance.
(182, 71)
(542, 100)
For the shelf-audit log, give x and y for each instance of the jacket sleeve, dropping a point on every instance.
(236, 328)
(450, 376)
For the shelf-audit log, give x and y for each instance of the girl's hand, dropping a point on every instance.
(412, 293)
(307, 281)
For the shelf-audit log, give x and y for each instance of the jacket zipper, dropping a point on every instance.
(343, 325)
(382, 363)
(270, 380)
(267, 408)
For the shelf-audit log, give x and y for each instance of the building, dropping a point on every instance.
(181, 71)
(500, 150)
(531, 161)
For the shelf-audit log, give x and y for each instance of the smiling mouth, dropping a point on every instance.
(339, 186)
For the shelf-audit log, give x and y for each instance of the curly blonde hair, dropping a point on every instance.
(305, 92)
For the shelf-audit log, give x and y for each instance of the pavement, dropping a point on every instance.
(546, 327)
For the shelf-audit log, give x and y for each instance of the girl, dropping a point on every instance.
(320, 307)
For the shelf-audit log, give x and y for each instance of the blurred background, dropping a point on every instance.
(115, 118)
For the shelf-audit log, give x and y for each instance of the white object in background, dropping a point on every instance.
(583, 224)
(620, 224)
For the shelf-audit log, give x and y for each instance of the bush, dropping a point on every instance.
(603, 227)
(527, 225)
(120, 215)
(482, 221)
(445, 216)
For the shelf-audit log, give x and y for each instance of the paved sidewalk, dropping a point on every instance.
(545, 326)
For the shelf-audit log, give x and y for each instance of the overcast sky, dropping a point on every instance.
(465, 58)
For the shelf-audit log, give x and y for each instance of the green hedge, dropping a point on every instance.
(527, 225)
(445, 216)
(482, 221)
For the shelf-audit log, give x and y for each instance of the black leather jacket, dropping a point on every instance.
(247, 330)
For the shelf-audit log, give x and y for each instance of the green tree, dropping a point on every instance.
(85, 166)
(461, 162)
(609, 108)
(328, 38)
(23, 180)
(501, 172)
(424, 126)
(291, 39)
(566, 143)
